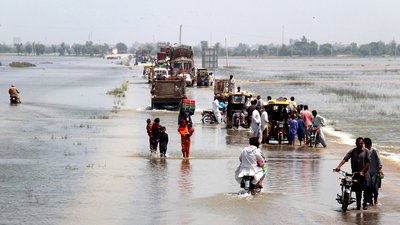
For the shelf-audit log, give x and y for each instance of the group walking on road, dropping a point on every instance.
(158, 137)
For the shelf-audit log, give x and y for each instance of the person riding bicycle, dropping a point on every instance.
(252, 163)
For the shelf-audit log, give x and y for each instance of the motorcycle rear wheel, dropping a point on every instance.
(207, 119)
(280, 138)
(312, 141)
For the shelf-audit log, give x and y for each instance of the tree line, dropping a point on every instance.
(63, 49)
(302, 47)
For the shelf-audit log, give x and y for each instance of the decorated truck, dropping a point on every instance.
(181, 62)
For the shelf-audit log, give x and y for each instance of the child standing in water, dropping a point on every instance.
(148, 129)
(155, 133)
(163, 142)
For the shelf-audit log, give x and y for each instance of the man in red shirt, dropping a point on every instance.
(307, 116)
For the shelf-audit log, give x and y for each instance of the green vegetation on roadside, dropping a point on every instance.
(21, 64)
(354, 94)
(119, 91)
(119, 94)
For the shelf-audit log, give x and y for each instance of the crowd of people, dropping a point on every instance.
(263, 121)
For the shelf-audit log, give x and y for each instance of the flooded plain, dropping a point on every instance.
(71, 154)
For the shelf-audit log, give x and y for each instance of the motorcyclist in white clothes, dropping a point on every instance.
(215, 108)
(252, 163)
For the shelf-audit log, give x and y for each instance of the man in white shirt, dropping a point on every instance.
(256, 122)
(215, 108)
(319, 121)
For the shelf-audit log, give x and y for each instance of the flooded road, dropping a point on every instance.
(70, 154)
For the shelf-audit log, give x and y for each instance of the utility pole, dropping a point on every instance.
(180, 34)
(226, 51)
(283, 34)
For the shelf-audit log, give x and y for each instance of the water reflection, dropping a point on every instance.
(361, 217)
(158, 171)
(298, 170)
(185, 179)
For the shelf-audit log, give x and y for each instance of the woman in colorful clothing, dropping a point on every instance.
(185, 131)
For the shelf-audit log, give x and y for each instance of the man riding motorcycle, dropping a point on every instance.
(252, 163)
(13, 91)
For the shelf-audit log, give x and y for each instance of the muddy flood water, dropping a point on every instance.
(71, 154)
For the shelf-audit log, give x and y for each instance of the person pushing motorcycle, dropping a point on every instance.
(360, 161)
(319, 121)
(252, 163)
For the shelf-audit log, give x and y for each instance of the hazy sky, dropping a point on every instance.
(247, 21)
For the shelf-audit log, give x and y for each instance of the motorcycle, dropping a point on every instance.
(248, 186)
(278, 133)
(14, 99)
(207, 116)
(314, 136)
(346, 182)
(281, 131)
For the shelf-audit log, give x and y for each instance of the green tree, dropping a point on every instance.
(52, 49)
(39, 49)
(88, 49)
(62, 49)
(241, 50)
(147, 48)
(77, 49)
(4, 48)
(325, 49)
(377, 48)
(262, 50)
(220, 50)
(284, 51)
(19, 48)
(313, 48)
(391, 48)
(122, 48)
(28, 48)
(364, 50)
